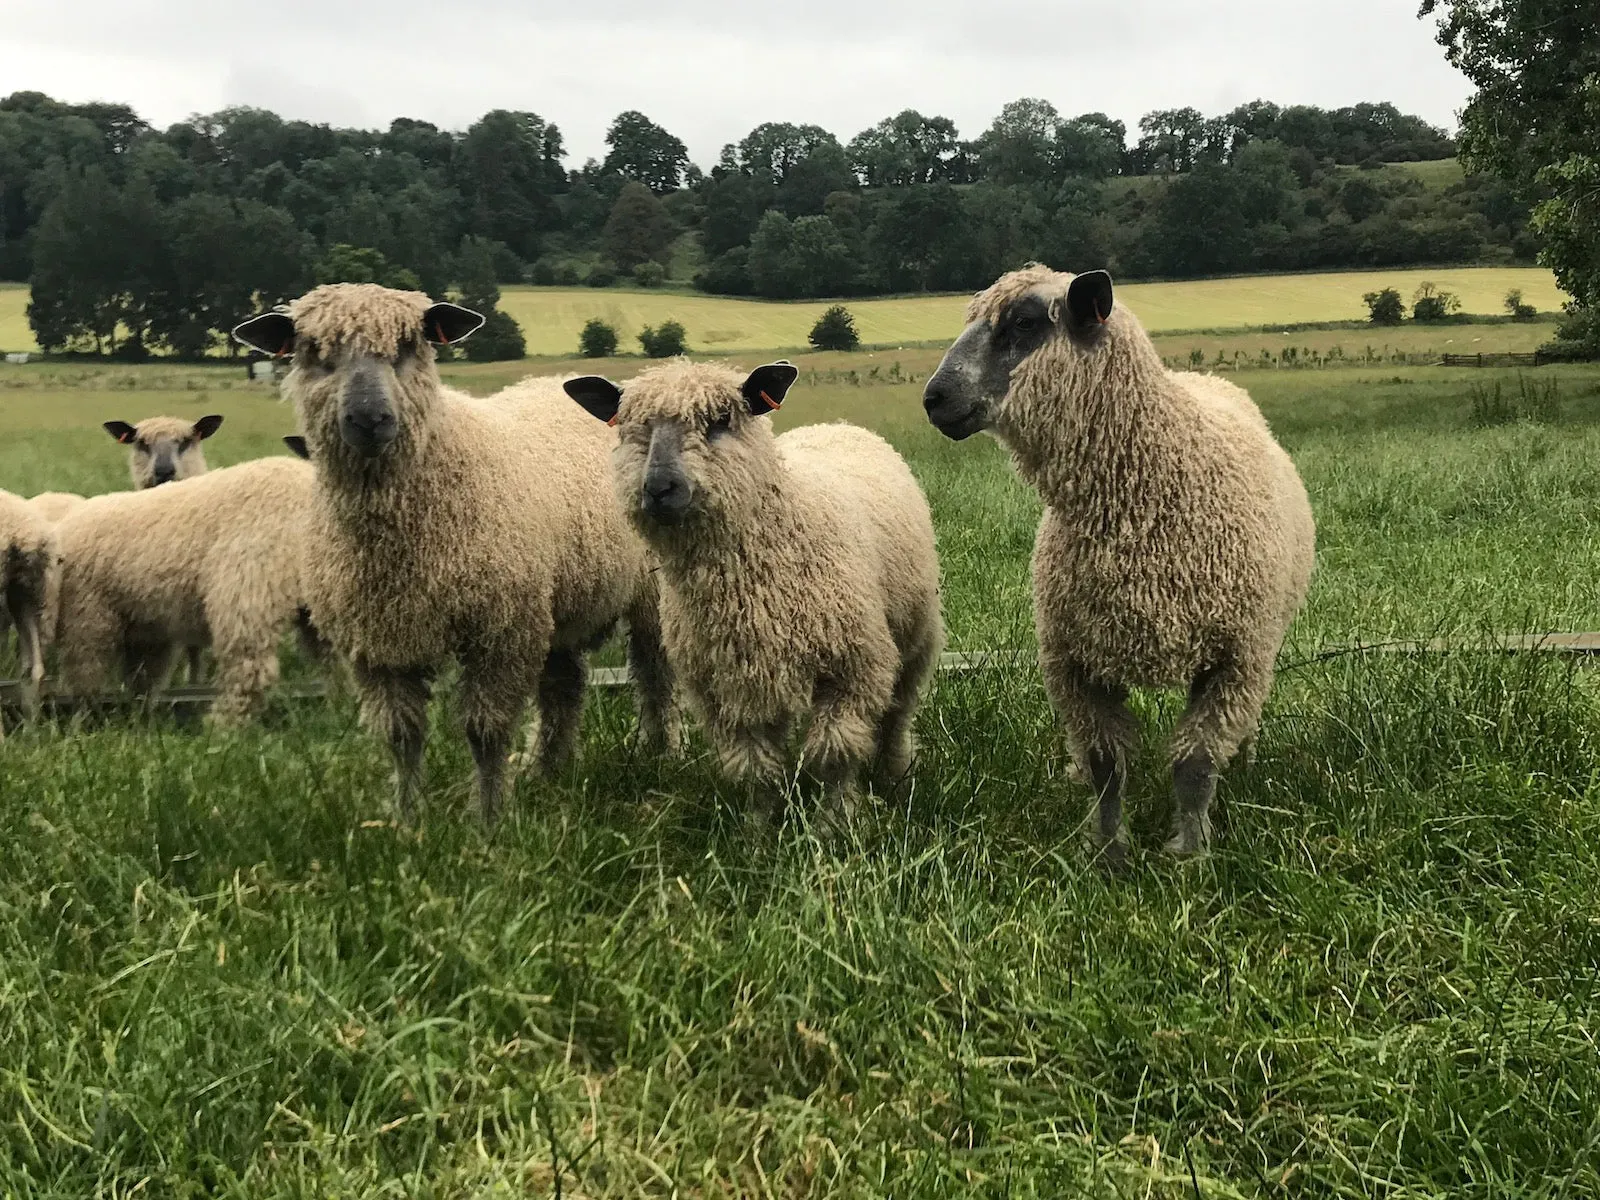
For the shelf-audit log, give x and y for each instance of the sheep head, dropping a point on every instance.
(364, 365)
(693, 442)
(164, 449)
(1022, 314)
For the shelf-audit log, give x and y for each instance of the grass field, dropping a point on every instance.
(223, 971)
(551, 318)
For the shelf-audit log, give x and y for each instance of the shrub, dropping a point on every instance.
(665, 341)
(598, 339)
(649, 274)
(601, 275)
(1517, 308)
(1431, 305)
(1385, 307)
(567, 275)
(1535, 400)
(727, 275)
(835, 330)
(1577, 336)
(542, 273)
(499, 340)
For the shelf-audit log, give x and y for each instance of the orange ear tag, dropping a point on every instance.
(614, 420)
(772, 405)
(1097, 316)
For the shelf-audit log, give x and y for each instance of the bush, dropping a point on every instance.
(1432, 306)
(1577, 337)
(649, 274)
(1537, 400)
(727, 275)
(542, 273)
(835, 330)
(598, 339)
(601, 275)
(666, 341)
(1385, 307)
(499, 340)
(1517, 308)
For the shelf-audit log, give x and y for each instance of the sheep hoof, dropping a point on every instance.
(1190, 839)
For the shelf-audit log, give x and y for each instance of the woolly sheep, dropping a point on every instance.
(799, 580)
(443, 526)
(27, 548)
(1177, 541)
(164, 449)
(210, 561)
(52, 506)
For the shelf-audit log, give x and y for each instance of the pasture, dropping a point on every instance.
(225, 971)
(551, 318)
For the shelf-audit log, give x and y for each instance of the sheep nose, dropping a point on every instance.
(665, 494)
(368, 430)
(935, 394)
(163, 473)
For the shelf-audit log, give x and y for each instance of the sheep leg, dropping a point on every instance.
(561, 691)
(491, 747)
(1101, 731)
(841, 740)
(394, 703)
(660, 724)
(754, 756)
(30, 652)
(244, 673)
(90, 637)
(1225, 703)
(895, 747)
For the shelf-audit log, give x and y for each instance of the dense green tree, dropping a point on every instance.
(362, 264)
(835, 329)
(508, 169)
(638, 229)
(1536, 65)
(644, 151)
(906, 149)
(732, 204)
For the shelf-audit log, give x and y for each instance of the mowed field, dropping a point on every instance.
(224, 970)
(551, 318)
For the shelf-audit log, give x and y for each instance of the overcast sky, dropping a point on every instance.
(710, 70)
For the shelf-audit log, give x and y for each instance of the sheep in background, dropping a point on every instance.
(799, 579)
(1177, 542)
(443, 526)
(164, 449)
(210, 561)
(27, 551)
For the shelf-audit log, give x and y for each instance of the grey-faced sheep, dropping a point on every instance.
(210, 561)
(164, 449)
(1177, 541)
(27, 550)
(799, 580)
(444, 526)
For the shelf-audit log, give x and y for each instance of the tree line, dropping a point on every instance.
(135, 238)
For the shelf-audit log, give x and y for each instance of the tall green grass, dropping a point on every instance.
(225, 971)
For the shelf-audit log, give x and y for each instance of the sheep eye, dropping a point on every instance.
(1025, 324)
(720, 427)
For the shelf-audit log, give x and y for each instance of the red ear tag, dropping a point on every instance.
(125, 439)
(439, 329)
(1097, 314)
(772, 405)
(613, 420)
(282, 350)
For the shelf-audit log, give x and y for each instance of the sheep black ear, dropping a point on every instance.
(271, 333)
(120, 430)
(206, 426)
(297, 446)
(446, 324)
(599, 397)
(1089, 299)
(767, 386)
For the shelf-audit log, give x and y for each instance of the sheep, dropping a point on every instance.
(213, 560)
(164, 449)
(1177, 541)
(799, 579)
(52, 506)
(443, 526)
(27, 549)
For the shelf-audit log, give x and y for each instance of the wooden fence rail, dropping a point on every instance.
(1494, 360)
(56, 700)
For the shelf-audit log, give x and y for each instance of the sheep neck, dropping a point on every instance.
(732, 552)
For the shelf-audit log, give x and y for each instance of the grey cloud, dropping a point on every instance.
(710, 70)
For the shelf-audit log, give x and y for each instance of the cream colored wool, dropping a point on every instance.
(52, 506)
(210, 561)
(1176, 546)
(802, 592)
(485, 533)
(189, 459)
(27, 552)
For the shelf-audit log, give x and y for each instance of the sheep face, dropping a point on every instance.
(693, 445)
(1024, 313)
(364, 372)
(164, 449)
